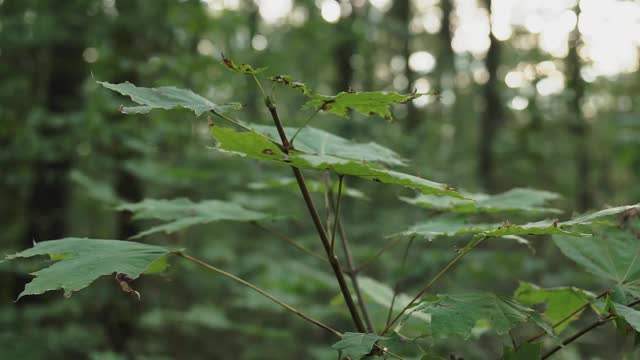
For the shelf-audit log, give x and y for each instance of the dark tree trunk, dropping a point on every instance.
(401, 11)
(49, 195)
(345, 49)
(446, 58)
(577, 125)
(491, 117)
(445, 80)
(343, 52)
(368, 51)
(119, 315)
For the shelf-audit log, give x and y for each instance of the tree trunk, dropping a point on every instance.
(345, 48)
(492, 115)
(49, 195)
(446, 58)
(401, 11)
(343, 52)
(577, 125)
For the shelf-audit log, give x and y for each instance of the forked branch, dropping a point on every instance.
(585, 330)
(315, 217)
(262, 292)
(444, 270)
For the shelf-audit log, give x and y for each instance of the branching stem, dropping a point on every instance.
(353, 275)
(304, 125)
(396, 288)
(585, 330)
(262, 292)
(444, 270)
(235, 122)
(315, 217)
(336, 211)
(566, 318)
(264, 95)
(390, 244)
(292, 242)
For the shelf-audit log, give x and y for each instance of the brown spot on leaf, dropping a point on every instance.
(325, 105)
(227, 62)
(267, 152)
(281, 79)
(124, 280)
(505, 224)
(210, 122)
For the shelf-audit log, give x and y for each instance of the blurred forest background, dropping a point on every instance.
(541, 94)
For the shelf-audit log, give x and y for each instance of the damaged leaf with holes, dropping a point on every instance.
(77, 262)
(254, 145)
(286, 80)
(242, 68)
(320, 142)
(367, 103)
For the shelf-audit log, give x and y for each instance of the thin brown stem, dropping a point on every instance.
(315, 217)
(396, 287)
(444, 270)
(304, 125)
(353, 275)
(262, 292)
(235, 122)
(585, 330)
(276, 120)
(566, 318)
(336, 211)
(390, 353)
(390, 244)
(292, 242)
(264, 95)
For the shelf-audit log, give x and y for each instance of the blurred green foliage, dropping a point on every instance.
(68, 157)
